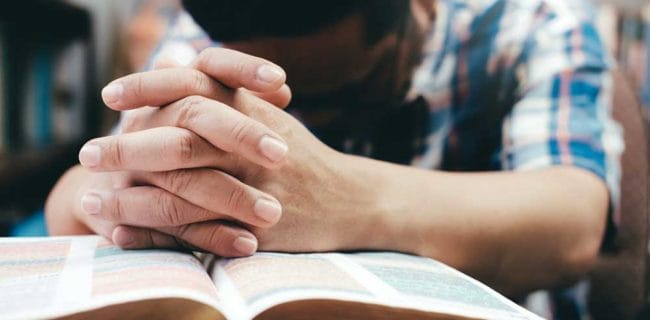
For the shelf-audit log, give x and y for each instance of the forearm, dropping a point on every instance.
(516, 231)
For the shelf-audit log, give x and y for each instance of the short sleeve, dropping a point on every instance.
(563, 114)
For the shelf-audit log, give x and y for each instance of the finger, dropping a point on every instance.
(157, 149)
(129, 237)
(225, 128)
(165, 62)
(216, 191)
(144, 206)
(280, 98)
(215, 237)
(239, 70)
(184, 196)
(160, 87)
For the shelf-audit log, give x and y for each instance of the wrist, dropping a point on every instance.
(373, 213)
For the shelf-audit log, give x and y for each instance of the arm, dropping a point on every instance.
(516, 231)
(507, 229)
(498, 227)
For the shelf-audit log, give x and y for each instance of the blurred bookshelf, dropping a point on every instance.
(48, 99)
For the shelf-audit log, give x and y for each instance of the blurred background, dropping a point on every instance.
(55, 56)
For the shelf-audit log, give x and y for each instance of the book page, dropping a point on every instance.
(52, 277)
(394, 280)
(426, 284)
(266, 279)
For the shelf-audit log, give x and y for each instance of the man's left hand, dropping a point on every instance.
(169, 148)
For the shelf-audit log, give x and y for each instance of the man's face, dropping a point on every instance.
(337, 68)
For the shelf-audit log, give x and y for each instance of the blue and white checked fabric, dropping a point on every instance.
(506, 85)
(519, 85)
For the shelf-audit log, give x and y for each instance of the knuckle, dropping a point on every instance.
(119, 212)
(241, 69)
(118, 149)
(138, 87)
(215, 238)
(183, 149)
(197, 81)
(171, 214)
(240, 131)
(178, 180)
(237, 199)
(189, 110)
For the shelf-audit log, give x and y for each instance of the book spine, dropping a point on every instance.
(67, 109)
(15, 69)
(3, 102)
(27, 106)
(43, 97)
(645, 88)
(37, 102)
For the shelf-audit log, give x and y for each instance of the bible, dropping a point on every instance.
(87, 277)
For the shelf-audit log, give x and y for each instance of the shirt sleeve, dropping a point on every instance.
(563, 114)
(183, 41)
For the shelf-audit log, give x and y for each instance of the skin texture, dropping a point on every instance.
(199, 171)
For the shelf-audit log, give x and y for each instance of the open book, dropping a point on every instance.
(87, 277)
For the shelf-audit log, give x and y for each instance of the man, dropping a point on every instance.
(490, 122)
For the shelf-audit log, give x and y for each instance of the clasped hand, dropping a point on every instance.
(211, 163)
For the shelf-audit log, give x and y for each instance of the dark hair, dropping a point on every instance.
(237, 20)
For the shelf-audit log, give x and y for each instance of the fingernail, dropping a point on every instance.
(273, 148)
(90, 155)
(245, 246)
(112, 93)
(123, 238)
(268, 210)
(269, 74)
(91, 203)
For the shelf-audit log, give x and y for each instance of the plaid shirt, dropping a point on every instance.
(503, 85)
